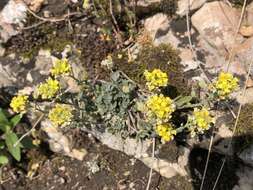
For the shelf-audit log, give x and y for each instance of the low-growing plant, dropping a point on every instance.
(9, 139)
(120, 105)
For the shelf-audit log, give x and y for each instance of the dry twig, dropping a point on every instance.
(151, 169)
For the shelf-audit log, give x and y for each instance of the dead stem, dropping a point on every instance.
(151, 169)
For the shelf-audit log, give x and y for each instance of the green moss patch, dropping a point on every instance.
(244, 132)
(150, 57)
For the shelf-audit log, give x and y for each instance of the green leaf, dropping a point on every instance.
(10, 140)
(3, 118)
(3, 160)
(182, 101)
(16, 119)
(2, 144)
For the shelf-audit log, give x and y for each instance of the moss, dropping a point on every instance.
(168, 7)
(57, 44)
(176, 182)
(239, 3)
(244, 132)
(150, 57)
(170, 151)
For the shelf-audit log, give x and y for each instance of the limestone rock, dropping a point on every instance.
(139, 149)
(145, 3)
(13, 13)
(35, 5)
(193, 5)
(157, 23)
(247, 155)
(246, 99)
(216, 22)
(59, 143)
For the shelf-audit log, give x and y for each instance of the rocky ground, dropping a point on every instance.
(25, 61)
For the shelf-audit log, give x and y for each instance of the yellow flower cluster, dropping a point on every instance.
(166, 132)
(155, 79)
(225, 85)
(60, 114)
(19, 103)
(200, 121)
(48, 89)
(202, 118)
(61, 66)
(161, 107)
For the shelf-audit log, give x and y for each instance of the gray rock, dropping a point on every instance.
(2, 50)
(247, 155)
(246, 99)
(216, 22)
(13, 13)
(156, 23)
(193, 5)
(140, 150)
(245, 175)
(146, 3)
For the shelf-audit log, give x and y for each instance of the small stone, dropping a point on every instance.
(62, 180)
(2, 50)
(47, 14)
(29, 77)
(127, 173)
(62, 168)
(246, 31)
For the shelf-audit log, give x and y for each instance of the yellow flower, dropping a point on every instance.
(161, 107)
(202, 118)
(200, 121)
(61, 66)
(19, 103)
(60, 114)
(225, 85)
(155, 79)
(48, 89)
(166, 132)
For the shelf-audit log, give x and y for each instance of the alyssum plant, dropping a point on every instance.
(119, 105)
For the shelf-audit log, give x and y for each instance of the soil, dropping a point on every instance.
(115, 170)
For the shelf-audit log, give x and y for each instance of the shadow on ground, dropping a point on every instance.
(229, 176)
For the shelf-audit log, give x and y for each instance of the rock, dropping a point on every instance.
(2, 51)
(34, 5)
(243, 53)
(44, 62)
(220, 141)
(187, 60)
(247, 155)
(14, 13)
(246, 99)
(139, 149)
(159, 28)
(216, 22)
(246, 31)
(193, 4)
(168, 38)
(59, 143)
(245, 175)
(145, 3)
(157, 23)
(5, 78)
